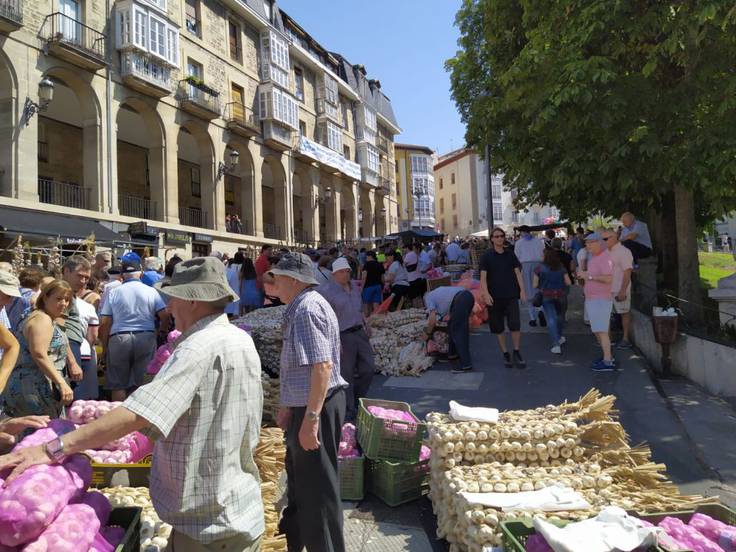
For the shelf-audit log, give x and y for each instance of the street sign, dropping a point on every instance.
(174, 237)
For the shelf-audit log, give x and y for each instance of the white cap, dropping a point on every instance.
(341, 263)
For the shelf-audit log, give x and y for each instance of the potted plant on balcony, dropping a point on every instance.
(199, 84)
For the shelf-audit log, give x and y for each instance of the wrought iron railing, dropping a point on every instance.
(271, 231)
(61, 28)
(238, 226)
(236, 112)
(12, 9)
(201, 95)
(192, 216)
(138, 207)
(63, 193)
(146, 68)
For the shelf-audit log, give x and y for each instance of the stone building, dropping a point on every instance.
(170, 117)
(461, 197)
(416, 186)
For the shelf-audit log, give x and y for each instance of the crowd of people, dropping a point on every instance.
(205, 404)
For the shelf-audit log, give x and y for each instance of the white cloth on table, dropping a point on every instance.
(551, 499)
(461, 413)
(612, 529)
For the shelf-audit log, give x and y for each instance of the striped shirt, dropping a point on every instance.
(311, 336)
(205, 406)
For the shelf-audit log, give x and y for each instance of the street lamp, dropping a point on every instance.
(223, 169)
(45, 95)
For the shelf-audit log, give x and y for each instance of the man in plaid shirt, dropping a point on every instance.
(312, 409)
(205, 408)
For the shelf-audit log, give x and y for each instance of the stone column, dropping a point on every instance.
(23, 182)
(209, 199)
(255, 214)
(94, 167)
(170, 201)
(368, 204)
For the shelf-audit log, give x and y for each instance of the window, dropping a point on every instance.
(452, 178)
(346, 152)
(157, 36)
(454, 221)
(302, 129)
(331, 90)
(372, 162)
(275, 58)
(514, 217)
(280, 106)
(299, 84)
(496, 191)
(442, 205)
(334, 137)
(194, 178)
(454, 201)
(497, 212)
(237, 96)
(147, 31)
(442, 184)
(370, 119)
(268, 8)
(160, 4)
(420, 164)
(233, 31)
(191, 16)
(345, 120)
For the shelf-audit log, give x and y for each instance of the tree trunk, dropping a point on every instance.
(667, 243)
(688, 271)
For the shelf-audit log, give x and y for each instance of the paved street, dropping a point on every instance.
(688, 430)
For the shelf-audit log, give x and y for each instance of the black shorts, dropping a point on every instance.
(504, 310)
(417, 288)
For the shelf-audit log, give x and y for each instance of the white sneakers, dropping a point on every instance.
(556, 350)
(563, 340)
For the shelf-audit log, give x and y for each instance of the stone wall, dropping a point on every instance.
(707, 363)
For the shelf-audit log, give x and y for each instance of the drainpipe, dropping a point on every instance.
(110, 27)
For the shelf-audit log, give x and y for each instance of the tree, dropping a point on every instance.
(606, 106)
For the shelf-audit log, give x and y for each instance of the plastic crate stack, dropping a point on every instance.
(395, 472)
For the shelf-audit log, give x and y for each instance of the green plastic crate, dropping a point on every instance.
(516, 531)
(392, 440)
(352, 478)
(398, 482)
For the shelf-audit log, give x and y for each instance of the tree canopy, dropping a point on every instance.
(602, 105)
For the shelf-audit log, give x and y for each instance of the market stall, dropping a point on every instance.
(561, 463)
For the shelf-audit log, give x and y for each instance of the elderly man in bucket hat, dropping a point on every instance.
(204, 406)
(312, 408)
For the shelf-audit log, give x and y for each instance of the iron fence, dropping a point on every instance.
(63, 193)
(67, 30)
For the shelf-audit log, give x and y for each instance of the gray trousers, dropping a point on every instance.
(313, 516)
(128, 355)
(356, 367)
(527, 276)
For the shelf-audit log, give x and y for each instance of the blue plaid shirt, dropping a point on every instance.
(311, 335)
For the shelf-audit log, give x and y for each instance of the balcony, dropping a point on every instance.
(63, 194)
(192, 216)
(311, 151)
(137, 207)
(271, 231)
(199, 99)
(384, 186)
(145, 74)
(11, 15)
(73, 41)
(277, 136)
(241, 120)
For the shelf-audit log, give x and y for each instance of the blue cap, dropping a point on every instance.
(131, 257)
(594, 236)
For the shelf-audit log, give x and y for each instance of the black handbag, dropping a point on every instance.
(537, 299)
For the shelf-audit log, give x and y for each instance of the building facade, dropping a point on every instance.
(461, 197)
(415, 186)
(185, 114)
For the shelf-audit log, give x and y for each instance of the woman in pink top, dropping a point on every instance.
(598, 299)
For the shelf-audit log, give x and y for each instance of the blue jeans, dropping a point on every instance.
(554, 311)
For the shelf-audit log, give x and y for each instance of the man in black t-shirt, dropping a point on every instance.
(372, 283)
(501, 287)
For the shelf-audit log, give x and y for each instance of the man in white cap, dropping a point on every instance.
(204, 407)
(312, 408)
(356, 354)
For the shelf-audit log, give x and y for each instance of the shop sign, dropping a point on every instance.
(203, 238)
(174, 237)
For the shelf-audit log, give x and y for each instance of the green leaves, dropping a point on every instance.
(602, 104)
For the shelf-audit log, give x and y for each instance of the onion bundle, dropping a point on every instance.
(397, 342)
(264, 326)
(154, 532)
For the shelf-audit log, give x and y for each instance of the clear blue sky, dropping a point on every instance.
(402, 43)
